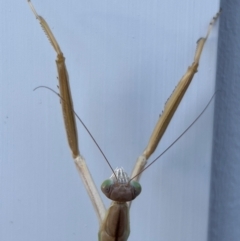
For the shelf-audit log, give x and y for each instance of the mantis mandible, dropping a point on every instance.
(114, 223)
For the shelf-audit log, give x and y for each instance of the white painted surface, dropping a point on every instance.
(124, 59)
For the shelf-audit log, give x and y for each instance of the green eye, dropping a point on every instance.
(136, 187)
(106, 186)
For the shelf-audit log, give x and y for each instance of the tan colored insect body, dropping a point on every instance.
(114, 223)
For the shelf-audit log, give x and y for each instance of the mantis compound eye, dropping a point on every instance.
(121, 192)
(119, 189)
(136, 187)
(107, 186)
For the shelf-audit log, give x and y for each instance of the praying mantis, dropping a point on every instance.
(70, 125)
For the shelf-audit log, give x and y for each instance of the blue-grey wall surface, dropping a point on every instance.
(224, 215)
(124, 59)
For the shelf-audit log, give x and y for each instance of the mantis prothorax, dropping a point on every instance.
(114, 223)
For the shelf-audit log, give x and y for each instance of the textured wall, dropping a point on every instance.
(224, 217)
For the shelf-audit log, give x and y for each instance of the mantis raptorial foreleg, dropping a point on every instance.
(171, 105)
(114, 224)
(69, 120)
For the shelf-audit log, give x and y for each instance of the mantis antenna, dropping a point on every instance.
(84, 126)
